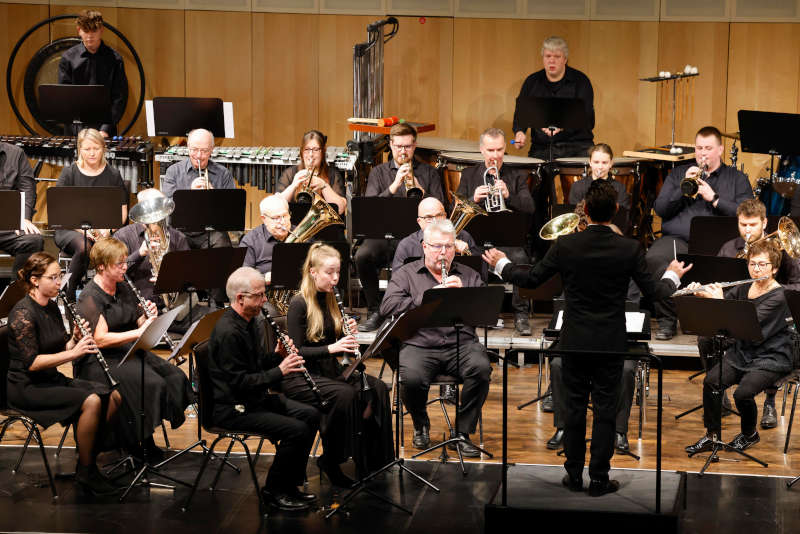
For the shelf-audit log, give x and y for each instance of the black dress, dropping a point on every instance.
(339, 425)
(47, 396)
(167, 390)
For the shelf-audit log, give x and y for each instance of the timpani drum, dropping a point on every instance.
(571, 170)
(453, 163)
(430, 148)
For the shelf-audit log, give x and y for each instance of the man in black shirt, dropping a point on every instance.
(719, 192)
(16, 175)
(94, 63)
(389, 180)
(242, 373)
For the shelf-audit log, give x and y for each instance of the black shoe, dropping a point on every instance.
(284, 501)
(372, 323)
(555, 442)
(422, 438)
(742, 442)
(572, 484)
(622, 442)
(334, 473)
(468, 450)
(598, 488)
(702, 445)
(300, 495)
(90, 479)
(547, 404)
(666, 330)
(522, 325)
(448, 393)
(769, 416)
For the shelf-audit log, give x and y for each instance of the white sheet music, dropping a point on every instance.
(634, 321)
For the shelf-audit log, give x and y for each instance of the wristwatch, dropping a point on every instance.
(716, 197)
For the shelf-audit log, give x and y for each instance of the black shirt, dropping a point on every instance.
(411, 247)
(519, 196)
(319, 361)
(120, 310)
(78, 66)
(335, 179)
(110, 177)
(677, 211)
(382, 176)
(574, 84)
(16, 175)
(405, 291)
(578, 191)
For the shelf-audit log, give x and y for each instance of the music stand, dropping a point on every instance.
(11, 210)
(707, 233)
(457, 309)
(552, 114)
(13, 293)
(287, 264)
(75, 105)
(209, 210)
(371, 217)
(504, 229)
(176, 116)
(70, 207)
(720, 319)
(150, 338)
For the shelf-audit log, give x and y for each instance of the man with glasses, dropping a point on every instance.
(432, 351)
(388, 180)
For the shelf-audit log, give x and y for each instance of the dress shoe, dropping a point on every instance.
(422, 438)
(522, 325)
(742, 442)
(621, 443)
(702, 445)
(547, 404)
(90, 479)
(448, 393)
(300, 495)
(372, 323)
(334, 473)
(598, 488)
(555, 442)
(769, 416)
(572, 484)
(284, 501)
(666, 330)
(468, 450)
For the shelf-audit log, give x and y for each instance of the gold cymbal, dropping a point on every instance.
(730, 135)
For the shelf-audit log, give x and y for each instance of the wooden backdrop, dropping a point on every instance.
(286, 73)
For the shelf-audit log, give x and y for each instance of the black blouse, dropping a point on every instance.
(121, 312)
(34, 330)
(335, 179)
(110, 177)
(319, 361)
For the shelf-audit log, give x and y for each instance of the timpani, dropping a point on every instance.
(571, 170)
(453, 163)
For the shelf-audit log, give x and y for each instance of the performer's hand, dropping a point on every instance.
(481, 192)
(144, 249)
(704, 190)
(318, 184)
(503, 187)
(268, 277)
(76, 332)
(28, 228)
(692, 171)
(346, 344)
(291, 364)
(352, 324)
(145, 323)
(519, 140)
(678, 268)
(86, 345)
(550, 133)
(451, 281)
(492, 256)
(461, 246)
(300, 178)
(712, 291)
(200, 183)
(151, 308)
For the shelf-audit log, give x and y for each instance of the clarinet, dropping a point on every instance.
(85, 332)
(283, 339)
(143, 303)
(346, 330)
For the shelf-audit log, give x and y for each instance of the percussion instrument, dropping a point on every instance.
(788, 176)
(571, 170)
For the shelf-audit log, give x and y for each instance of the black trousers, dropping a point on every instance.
(624, 402)
(292, 425)
(518, 256)
(751, 383)
(601, 378)
(72, 243)
(705, 346)
(21, 247)
(372, 256)
(199, 240)
(658, 257)
(419, 366)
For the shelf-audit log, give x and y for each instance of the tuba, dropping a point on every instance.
(787, 236)
(154, 211)
(494, 201)
(320, 215)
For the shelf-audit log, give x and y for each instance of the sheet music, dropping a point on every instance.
(634, 321)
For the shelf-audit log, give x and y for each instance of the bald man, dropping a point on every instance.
(261, 241)
(410, 247)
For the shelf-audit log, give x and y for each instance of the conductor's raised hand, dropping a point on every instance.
(492, 256)
(291, 364)
(678, 267)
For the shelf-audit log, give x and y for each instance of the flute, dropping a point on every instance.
(283, 339)
(687, 291)
(85, 332)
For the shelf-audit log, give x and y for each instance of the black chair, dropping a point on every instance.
(12, 416)
(205, 404)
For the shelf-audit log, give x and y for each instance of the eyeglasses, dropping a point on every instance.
(431, 218)
(403, 148)
(258, 296)
(312, 150)
(195, 150)
(760, 264)
(278, 218)
(437, 248)
(53, 277)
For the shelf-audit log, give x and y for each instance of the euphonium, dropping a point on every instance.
(463, 211)
(320, 215)
(787, 235)
(494, 199)
(412, 191)
(153, 213)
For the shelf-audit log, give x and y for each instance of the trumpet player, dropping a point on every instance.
(392, 179)
(325, 180)
(512, 187)
(720, 189)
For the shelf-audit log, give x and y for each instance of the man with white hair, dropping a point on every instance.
(556, 80)
(242, 372)
(260, 241)
(432, 351)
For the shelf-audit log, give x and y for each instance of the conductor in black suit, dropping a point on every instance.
(596, 266)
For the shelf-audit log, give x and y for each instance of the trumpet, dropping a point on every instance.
(346, 330)
(687, 291)
(305, 194)
(204, 176)
(412, 191)
(494, 199)
(690, 184)
(70, 306)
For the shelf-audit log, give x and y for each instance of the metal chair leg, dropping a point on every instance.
(166, 438)
(34, 430)
(63, 438)
(791, 420)
(206, 458)
(222, 465)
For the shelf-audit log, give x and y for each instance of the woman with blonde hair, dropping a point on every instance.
(317, 329)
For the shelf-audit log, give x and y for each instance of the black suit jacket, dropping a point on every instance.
(595, 266)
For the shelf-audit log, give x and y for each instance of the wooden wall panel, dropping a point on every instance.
(764, 70)
(705, 45)
(218, 60)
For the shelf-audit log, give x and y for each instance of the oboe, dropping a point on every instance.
(283, 339)
(143, 303)
(347, 332)
(85, 332)
(444, 271)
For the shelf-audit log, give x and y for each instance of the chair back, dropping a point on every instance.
(205, 389)
(4, 363)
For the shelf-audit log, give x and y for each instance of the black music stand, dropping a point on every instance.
(766, 132)
(75, 105)
(209, 210)
(707, 233)
(720, 319)
(384, 217)
(13, 293)
(551, 114)
(287, 264)
(149, 339)
(505, 229)
(86, 208)
(457, 309)
(11, 210)
(175, 116)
